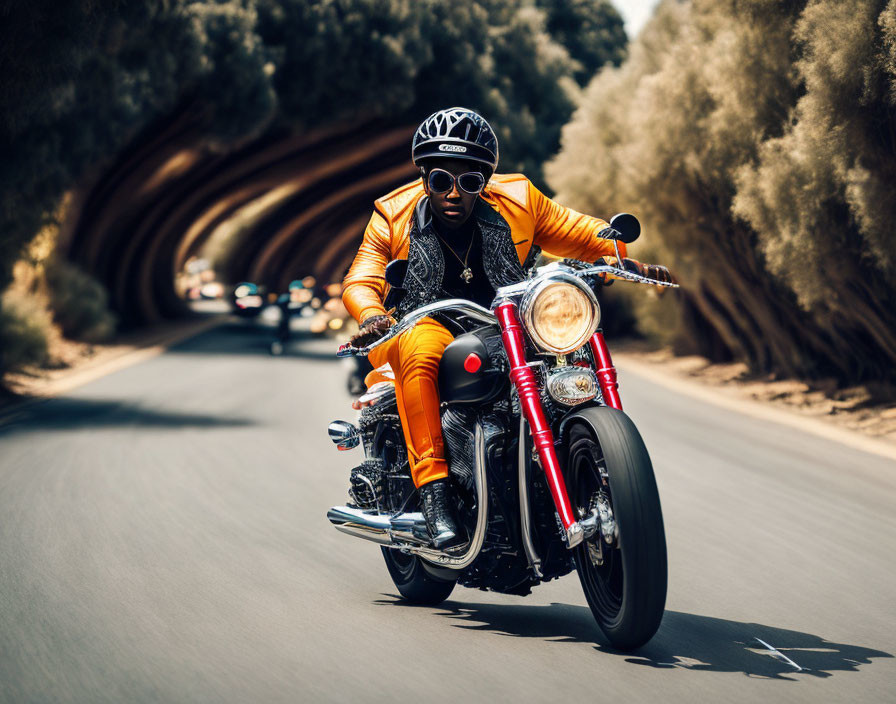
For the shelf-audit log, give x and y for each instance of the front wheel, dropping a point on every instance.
(414, 581)
(622, 567)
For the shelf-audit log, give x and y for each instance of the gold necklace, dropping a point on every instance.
(467, 273)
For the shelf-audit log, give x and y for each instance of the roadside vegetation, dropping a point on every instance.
(49, 307)
(756, 139)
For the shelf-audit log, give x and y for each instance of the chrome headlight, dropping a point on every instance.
(560, 313)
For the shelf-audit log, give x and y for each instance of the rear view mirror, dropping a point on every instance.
(344, 435)
(628, 227)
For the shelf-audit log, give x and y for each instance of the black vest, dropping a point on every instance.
(426, 265)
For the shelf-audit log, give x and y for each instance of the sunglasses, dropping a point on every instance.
(440, 181)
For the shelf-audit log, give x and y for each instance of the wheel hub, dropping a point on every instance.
(600, 519)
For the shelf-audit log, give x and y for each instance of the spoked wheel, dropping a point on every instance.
(622, 567)
(417, 582)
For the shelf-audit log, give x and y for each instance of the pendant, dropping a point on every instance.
(467, 275)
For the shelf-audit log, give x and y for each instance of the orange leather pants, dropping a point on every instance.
(414, 357)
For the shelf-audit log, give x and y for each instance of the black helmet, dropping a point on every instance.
(455, 133)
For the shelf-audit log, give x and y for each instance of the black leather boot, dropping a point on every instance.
(435, 498)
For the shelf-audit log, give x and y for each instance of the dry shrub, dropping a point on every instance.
(79, 303)
(821, 196)
(46, 300)
(24, 329)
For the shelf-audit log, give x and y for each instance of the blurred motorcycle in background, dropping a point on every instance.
(247, 299)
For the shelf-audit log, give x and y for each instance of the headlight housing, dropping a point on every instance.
(560, 313)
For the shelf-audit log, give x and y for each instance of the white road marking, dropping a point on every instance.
(777, 653)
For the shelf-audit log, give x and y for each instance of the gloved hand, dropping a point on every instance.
(372, 330)
(650, 271)
(656, 272)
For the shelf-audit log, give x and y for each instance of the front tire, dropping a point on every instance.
(413, 581)
(624, 582)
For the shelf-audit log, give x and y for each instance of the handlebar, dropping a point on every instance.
(483, 315)
(472, 310)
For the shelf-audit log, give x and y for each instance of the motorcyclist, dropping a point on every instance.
(465, 232)
(289, 303)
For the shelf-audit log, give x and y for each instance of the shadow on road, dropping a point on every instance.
(81, 414)
(690, 641)
(718, 645)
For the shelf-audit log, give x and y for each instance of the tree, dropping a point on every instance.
(728, 125)
(590, 30)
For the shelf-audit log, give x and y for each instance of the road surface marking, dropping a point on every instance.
(781, 656)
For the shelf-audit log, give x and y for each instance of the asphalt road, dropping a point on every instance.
(163, 538)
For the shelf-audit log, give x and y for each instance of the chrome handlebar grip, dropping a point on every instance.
(473, 310)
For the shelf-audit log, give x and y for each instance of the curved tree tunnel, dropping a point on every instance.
(297, 204)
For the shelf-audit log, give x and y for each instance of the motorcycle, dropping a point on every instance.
(548, 473)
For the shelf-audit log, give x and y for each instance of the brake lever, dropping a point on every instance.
(624, 274)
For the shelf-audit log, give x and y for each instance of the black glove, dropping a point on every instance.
(372, 330)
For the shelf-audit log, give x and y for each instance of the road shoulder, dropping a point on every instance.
(126, 351)
(738, 398)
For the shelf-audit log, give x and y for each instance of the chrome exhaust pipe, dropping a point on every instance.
(408, 530)
(390, 531)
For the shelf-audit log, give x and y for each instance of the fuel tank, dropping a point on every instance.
(472, 370)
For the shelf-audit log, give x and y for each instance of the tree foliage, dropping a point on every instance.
(514, 60)
(591, 31)
(82, 80)
(756, 140)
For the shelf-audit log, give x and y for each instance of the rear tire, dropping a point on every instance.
(624, 583)
(413, 581)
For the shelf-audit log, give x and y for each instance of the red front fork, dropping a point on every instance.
(530, 401)
(606, 372)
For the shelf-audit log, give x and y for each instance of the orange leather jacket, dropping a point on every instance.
(534, 219)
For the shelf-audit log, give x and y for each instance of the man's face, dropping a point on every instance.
(455, 206)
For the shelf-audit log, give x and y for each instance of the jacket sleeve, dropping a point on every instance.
(365, 284)
(565, 233)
